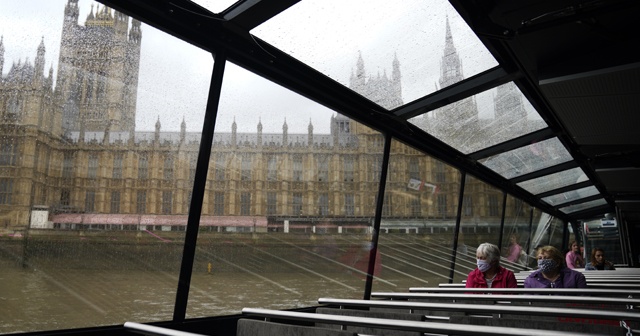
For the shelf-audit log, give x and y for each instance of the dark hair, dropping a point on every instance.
(593, 256)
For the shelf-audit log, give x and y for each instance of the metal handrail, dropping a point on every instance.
(149, 330)
(488, 309)
(513, 298)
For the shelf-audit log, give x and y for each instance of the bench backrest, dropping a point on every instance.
(249, 327)
(419, 326)
(602, 327)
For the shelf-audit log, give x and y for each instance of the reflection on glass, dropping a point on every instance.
(289, 202)
(389, 48)
(548, 231)
(537, 221)
(528, 159)
(554, 181)
(480, 223)
(95, 176)
(484, 120)
(418, 220)
(515, 234)
(583, 206)
(570, 196)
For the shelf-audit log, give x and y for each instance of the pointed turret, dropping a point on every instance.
(259, 132)
(91, 17)
(396, 77)
(285, 133)
(358, 79)
(451, 67)
(183, 130)
(38, 78)
(310, 133)
(157, 134)
(234, 130)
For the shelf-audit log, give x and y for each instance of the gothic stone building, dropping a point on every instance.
(72, 148)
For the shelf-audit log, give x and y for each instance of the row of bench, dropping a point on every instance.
(455, 311)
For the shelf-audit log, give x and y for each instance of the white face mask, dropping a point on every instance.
(483, 265)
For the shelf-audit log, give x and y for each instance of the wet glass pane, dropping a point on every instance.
(390, 54)
(515, 236)
(528, 159)
(554, 181)
(92, 226)
(547, 231)
(571, 195)
(418, 220)
(583, 206)
(484, 120)
(215, 6)
(289, 202)
(480, 223)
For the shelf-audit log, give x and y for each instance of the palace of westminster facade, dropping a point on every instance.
(72, 148)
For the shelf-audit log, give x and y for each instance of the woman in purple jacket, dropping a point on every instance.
(552, 273)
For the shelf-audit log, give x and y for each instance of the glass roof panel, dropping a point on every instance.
(554, 181)
(215, 6)
(583, 206)
(484, 120)
(390, 54)
(570, 196)
(528, 159)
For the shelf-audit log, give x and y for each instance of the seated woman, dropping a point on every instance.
(489, 273)
(598, 262)
(574, 257)
(513, 254)
(552, 273)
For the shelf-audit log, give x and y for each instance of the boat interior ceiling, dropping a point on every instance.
(572, 60)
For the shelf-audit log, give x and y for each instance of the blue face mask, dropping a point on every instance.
(546, 265)
(483, 265)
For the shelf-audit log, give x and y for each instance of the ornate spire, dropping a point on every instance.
(90, 16)
(259, 132)
(359, 78)
(285, 133)
(234, 129)
(157, 134)
(183, 130)
(451, 67)
(310, 136)
(39, 63)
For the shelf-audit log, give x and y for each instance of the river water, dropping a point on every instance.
(38, 299)
(99, 284)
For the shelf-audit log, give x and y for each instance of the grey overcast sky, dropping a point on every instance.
(174, 76)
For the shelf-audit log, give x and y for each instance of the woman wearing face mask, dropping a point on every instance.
(552, 273)
(489, 273)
